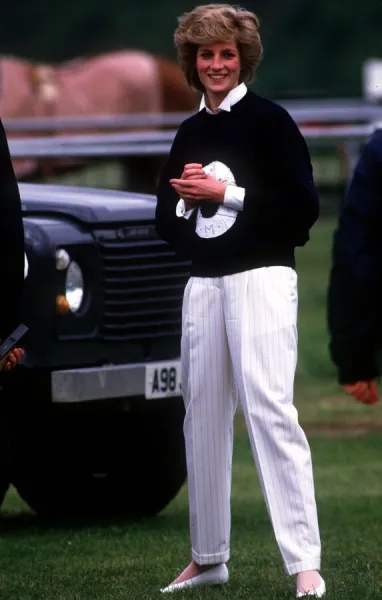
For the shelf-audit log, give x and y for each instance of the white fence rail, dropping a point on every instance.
(318, 111)
(331, 123)
(153, 143)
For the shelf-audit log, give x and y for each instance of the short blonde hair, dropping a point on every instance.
(213, 23)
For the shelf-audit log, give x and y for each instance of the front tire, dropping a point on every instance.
(100, 461)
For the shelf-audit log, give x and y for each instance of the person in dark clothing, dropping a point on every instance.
(354, 309)
(237, 196)
(11, 250)
(12, 280)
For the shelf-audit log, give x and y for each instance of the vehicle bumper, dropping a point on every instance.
(150, 380)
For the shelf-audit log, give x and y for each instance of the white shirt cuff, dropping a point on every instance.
(234, 197)
(181, 210)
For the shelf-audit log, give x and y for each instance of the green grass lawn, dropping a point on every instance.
(116, 560)
(122, 561)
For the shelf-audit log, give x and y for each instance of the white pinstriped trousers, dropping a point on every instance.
(240, 338)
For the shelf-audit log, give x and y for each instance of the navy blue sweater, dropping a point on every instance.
(263, 147)
(354, 294)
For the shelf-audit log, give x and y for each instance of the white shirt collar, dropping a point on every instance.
(231, 98)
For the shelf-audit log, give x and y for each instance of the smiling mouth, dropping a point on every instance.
(217, 77)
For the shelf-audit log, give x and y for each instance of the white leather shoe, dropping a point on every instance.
(215, 576)
(318, 592)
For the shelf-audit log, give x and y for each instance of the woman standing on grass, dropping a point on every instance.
(237, 196)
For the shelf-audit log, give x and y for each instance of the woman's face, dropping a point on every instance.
(218, 67)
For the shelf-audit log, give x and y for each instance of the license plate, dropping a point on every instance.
(163, 380)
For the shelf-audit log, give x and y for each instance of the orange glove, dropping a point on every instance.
(365, 392)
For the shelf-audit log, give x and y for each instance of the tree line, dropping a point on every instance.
(310, 48)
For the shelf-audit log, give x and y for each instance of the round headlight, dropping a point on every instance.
(74, 286)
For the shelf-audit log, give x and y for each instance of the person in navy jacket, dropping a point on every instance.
(354, 307)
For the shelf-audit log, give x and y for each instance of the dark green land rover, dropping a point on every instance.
(94, 414)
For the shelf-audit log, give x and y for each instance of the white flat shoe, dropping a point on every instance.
(318, 592)
(216, 576)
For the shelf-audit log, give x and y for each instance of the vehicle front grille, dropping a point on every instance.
(143, 283)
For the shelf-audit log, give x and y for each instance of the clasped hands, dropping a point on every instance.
(195, 185)
(365, 392)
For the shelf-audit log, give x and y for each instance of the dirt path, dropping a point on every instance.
(338, 428)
